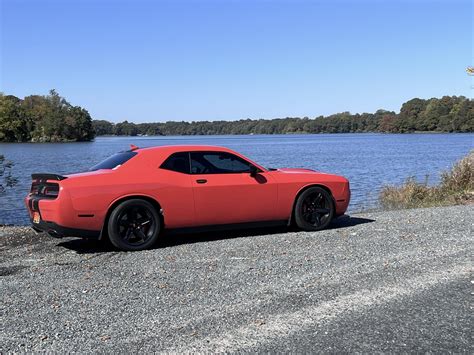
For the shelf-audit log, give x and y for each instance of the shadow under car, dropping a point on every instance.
(174, 238)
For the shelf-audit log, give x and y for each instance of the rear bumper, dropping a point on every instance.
(58, 218)
(55, 230)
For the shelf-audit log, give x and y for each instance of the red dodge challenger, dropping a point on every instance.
(134, 195)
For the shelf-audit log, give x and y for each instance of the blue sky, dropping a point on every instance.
(194, 60)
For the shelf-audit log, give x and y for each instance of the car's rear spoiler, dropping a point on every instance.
(44, 177)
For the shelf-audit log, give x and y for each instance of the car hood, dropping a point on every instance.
(297, 171)
(300, 174)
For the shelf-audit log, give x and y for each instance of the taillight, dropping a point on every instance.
(51, 190)
(44, 189)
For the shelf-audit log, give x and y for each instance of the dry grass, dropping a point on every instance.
(456, 187)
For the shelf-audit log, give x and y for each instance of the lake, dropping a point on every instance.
(368, 160)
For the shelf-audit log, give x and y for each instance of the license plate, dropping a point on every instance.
(36, 217)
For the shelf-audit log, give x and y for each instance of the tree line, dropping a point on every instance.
(447, 114)
(51, 118)
(39, 118)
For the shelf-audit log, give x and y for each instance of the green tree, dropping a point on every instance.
(13, 121)
(126, 128)
(103, 127)
(409, 114)
(43, 119)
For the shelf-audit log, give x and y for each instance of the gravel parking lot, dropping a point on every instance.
(391, 281)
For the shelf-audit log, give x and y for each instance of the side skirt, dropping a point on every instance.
(227, 227)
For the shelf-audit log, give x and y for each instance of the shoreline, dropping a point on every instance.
(244, 134)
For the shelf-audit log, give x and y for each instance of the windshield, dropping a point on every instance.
(114, 161)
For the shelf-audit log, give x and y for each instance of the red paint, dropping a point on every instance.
(224, 198)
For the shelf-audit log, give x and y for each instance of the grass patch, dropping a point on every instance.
(456, 187)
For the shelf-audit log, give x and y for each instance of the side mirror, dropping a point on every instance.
(253, 170)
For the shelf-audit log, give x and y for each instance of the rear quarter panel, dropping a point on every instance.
(95, 194)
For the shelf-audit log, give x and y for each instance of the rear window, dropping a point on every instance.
(114, 161)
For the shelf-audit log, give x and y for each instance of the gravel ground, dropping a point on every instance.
(392, 281)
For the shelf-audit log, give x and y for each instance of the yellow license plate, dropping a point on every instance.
(36, 217)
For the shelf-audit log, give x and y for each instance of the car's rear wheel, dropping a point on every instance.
(134, 225)
(314, 209)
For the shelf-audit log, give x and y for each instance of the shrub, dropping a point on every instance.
(456, 187)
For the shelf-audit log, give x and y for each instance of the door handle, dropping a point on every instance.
(201, 181)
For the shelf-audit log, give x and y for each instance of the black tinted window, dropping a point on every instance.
(217, 163)
(114, 161)
(177, 162)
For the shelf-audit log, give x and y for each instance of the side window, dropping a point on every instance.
(217, 163)
(178, 162)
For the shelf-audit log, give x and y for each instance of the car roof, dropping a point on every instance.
(184, 148)
(165, 151)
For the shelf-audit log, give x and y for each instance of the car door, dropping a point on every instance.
(225, 192)
(175, 192)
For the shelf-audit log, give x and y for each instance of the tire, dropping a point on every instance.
(134, 225)
(314, 209)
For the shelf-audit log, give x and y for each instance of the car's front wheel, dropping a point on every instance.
(134, 225)
(314, 209)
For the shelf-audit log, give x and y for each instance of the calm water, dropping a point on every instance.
(368, 160)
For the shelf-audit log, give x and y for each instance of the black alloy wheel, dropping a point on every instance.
(134, 225)
(314, 209)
